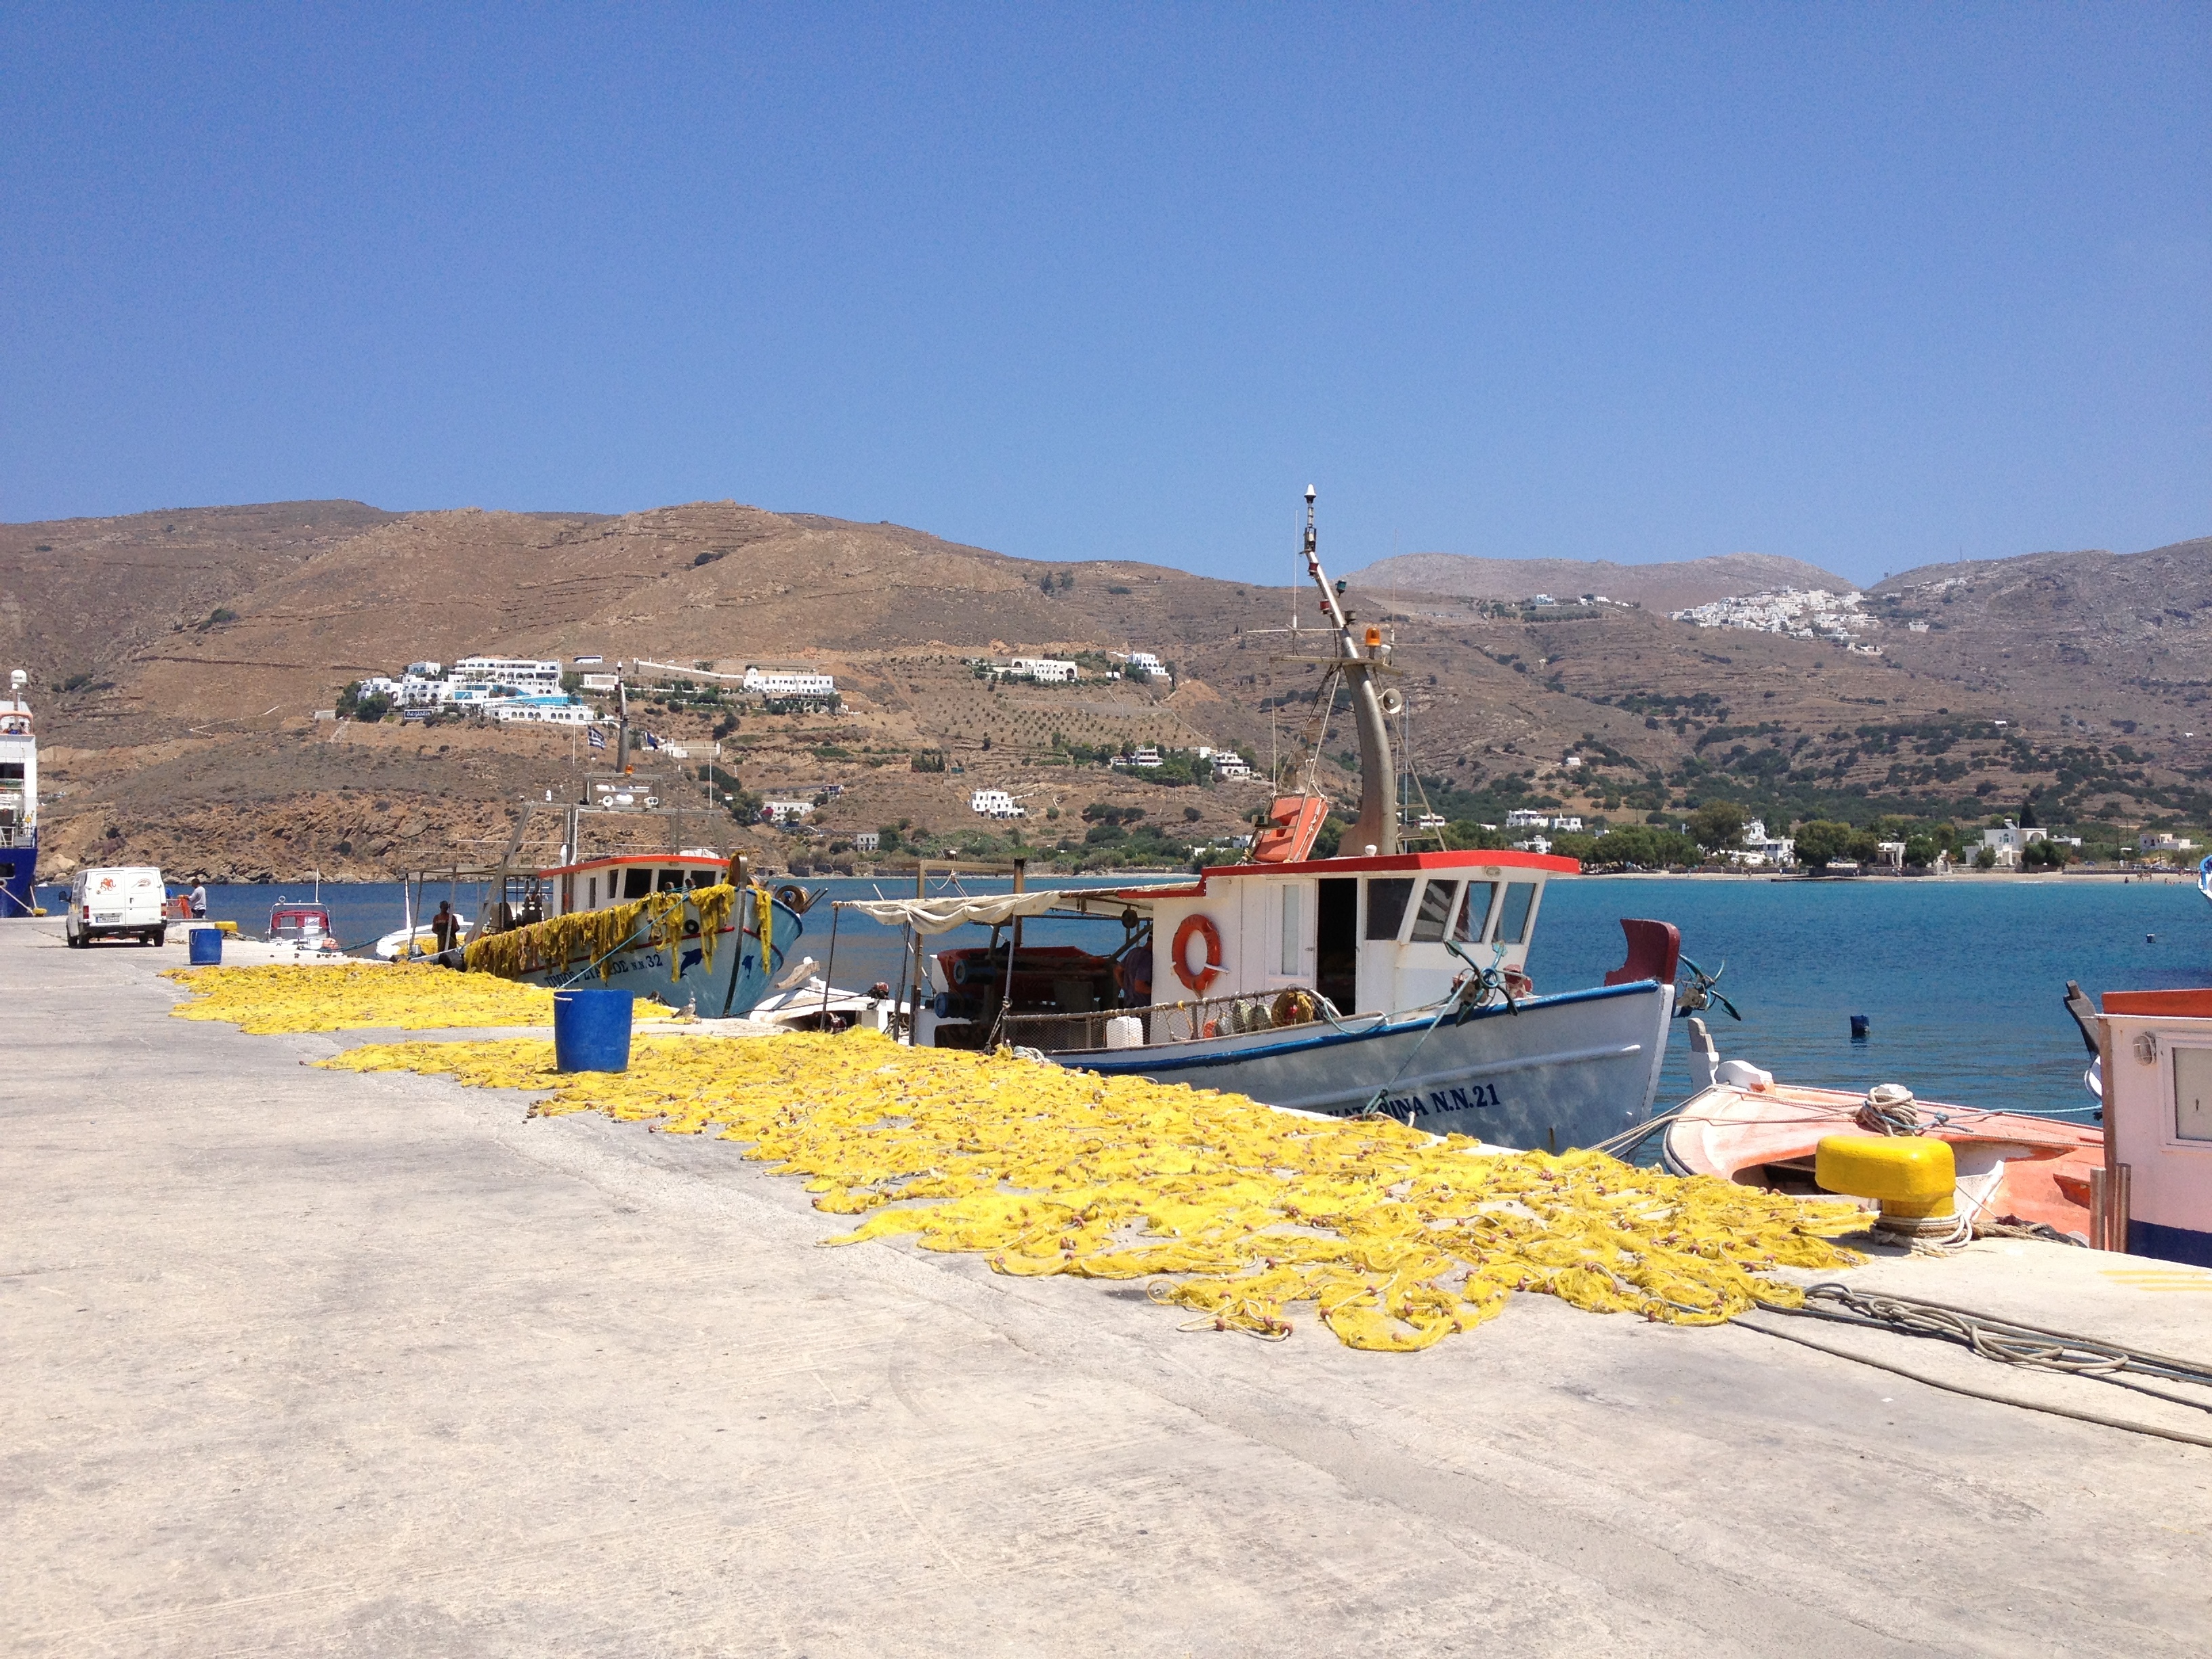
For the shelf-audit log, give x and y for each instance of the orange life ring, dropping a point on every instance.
(1210, 969)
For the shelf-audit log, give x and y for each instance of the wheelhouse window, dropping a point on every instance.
(1435, 914)
(672, 881)
(1474, 911)
(1387, 899)
(704, 877)
(1513, 915)
(593, 903)
(1293, 931)
(636, 883)
(11, 771)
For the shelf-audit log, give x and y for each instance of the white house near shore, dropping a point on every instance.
(1760, 849)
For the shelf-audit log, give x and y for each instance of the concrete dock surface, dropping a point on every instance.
(301, 1361)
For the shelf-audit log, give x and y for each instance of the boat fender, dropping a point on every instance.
(1209, 969)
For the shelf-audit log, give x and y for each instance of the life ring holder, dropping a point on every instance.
(1210, 968)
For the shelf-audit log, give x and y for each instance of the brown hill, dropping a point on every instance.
(180, 656)
(2097, 639)
(1674, 586)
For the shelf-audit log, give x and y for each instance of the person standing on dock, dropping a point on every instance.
(198, 901)
(444, 926)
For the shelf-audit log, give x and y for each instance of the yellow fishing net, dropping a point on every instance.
(353, 995)
(585, 939)
(1398, 1239)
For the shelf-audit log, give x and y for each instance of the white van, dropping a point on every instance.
(109, 903)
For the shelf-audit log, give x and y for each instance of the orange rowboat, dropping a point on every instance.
(2013, 1168)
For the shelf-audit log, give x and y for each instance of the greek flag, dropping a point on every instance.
(599, 738)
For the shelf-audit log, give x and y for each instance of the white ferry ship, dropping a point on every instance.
(19, 801)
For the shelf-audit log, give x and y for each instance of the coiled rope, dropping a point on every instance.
(2007, 1341)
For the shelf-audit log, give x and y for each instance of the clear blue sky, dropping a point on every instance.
(1866, 285)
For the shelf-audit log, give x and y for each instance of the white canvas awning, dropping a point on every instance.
(941, 915)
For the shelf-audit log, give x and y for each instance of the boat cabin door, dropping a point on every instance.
(1336, 942)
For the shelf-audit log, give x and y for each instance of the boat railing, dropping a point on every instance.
(1187, 1021)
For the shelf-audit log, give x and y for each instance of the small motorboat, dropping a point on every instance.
(812, 1004)
(305, 927)
(419, 941)
(2014, 1168)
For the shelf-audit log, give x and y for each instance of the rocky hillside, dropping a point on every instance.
(180, 658)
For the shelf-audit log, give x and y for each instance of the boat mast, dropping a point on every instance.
(1377, 826)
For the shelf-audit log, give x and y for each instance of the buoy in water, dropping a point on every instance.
(1860, 1026)
(2150, 939)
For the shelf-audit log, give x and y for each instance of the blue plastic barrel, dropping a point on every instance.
(590, 1030)
(207, 947)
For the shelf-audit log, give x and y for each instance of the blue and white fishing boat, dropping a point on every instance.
(687, 929)
(1379, 980)
(19, 802)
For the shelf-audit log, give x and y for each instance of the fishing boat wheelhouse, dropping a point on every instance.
(602, 882)
(1370, 935)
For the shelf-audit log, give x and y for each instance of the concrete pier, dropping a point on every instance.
(296, 1362)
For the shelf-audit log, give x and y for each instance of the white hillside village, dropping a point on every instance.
(530, 690)
(496, 688)
(1814, 614)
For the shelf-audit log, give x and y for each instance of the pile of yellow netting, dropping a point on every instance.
(587, 939)
(1399, 1238)
(352, 996)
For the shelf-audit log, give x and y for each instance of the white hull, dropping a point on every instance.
(1564, 1070)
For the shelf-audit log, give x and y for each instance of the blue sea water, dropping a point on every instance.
(1960, 979)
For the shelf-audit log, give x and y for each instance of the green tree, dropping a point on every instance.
(1718, 825)
(1468, 835)
(1821, 842)
(1641, 847)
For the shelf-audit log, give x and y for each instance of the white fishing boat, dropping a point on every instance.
(1382, 980)
(689, 929)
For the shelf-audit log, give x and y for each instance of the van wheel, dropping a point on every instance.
(75, 941)
(158, 938)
